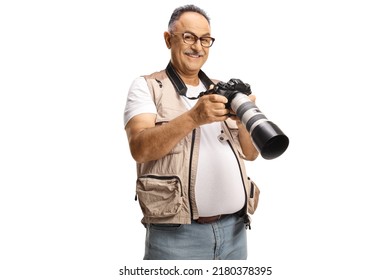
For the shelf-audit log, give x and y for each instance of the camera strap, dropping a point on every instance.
(181, 87)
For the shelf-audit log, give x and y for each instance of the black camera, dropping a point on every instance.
(267, 137)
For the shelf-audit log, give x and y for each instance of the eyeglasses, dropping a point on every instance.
(190, 39)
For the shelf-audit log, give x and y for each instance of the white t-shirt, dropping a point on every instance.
(219, 188)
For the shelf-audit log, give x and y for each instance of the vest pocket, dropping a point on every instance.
(159, 196)
(253, 197)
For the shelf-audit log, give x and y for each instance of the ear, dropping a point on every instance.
(167, 38)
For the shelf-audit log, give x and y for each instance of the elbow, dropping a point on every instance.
(138, 156)
(252, 156)
(142, 155)
(135, 152)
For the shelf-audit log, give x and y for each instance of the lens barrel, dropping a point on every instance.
(267, 137)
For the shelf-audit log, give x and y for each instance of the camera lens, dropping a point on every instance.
(267, 137)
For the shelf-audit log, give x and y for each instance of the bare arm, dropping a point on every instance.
(247, 146)
(150, 142)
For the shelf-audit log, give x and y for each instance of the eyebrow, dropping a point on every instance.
(204, 35)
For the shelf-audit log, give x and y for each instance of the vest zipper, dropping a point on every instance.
(190, 172)
(247, 220)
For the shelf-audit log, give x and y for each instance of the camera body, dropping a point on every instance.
(230, 90)
(267, 137)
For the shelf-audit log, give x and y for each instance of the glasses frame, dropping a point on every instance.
(196, 38)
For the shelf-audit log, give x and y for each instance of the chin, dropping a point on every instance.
(196, 65)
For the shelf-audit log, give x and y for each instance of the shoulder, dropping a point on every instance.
(160, 75)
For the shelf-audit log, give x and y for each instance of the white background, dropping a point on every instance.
(320, 71)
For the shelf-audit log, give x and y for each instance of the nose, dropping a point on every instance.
(197, 45)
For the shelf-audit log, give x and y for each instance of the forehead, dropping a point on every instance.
(194, 22)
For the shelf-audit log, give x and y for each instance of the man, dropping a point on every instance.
(191, 185)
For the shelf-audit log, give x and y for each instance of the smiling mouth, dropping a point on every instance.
(194, 55)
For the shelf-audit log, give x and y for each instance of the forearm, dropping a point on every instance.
(155, 142)
(150, 142)
(246, 143)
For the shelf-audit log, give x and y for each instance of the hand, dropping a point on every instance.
(210, 108)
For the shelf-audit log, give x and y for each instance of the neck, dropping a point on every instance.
(190, 80)
(180, 84)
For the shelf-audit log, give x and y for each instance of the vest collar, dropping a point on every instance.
(178, 83)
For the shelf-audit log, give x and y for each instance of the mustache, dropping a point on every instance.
(201, 53)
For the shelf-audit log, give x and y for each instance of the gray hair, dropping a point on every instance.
(181, 10)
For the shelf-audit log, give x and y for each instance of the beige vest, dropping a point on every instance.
(166, 187)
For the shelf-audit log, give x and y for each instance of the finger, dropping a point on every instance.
(218, 98)
(219, 105)
(222, 112)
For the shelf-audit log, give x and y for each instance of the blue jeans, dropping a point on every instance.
(222, 240)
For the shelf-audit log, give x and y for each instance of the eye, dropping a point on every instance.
(205, 40)
(189, 38)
